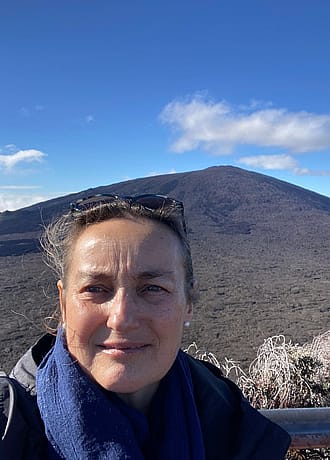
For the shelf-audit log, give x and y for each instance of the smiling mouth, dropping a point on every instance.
(122, 348)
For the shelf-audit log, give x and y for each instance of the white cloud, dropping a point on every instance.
(280, 162)
(255, 104)
(10, 147)
(11, 201)
(155, 173)
(10, 160)
(19, 187)
(219, 127)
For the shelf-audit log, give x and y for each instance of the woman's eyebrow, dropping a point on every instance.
(147, 274)
(91, 275)
(151, 274)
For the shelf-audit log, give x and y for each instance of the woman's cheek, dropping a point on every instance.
(84, 319)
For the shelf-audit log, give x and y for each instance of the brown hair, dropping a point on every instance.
(59, 237)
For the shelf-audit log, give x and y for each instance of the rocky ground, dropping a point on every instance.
(261, 251)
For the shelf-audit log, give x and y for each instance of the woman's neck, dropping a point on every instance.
(140, 399)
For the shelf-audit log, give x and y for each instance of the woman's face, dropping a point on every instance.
(124, 302)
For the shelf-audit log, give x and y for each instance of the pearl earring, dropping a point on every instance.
(186, 323)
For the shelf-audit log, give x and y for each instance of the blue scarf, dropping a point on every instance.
(83, 421)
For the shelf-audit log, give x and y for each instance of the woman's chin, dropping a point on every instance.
(119, 378)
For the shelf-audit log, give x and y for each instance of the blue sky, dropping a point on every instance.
(97, 92)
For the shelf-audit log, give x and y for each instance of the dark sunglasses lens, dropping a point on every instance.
(152, 202)
(157, 201)
(148, 201)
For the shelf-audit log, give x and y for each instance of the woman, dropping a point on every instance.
(115, 384)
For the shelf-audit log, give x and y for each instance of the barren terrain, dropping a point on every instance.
(261, 251)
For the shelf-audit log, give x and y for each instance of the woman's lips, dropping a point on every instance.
(122, 348)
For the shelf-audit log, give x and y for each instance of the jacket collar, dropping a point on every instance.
(26, 368)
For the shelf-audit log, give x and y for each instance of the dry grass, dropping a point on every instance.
(283, 375)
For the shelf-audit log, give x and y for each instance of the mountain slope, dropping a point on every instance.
(260, 249)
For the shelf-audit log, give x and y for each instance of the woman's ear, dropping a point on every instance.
(194, 293)
(189, 311)
(188, 317)
(61, 295)
(193, 297)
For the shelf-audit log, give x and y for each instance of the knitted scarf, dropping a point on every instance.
(83, 421)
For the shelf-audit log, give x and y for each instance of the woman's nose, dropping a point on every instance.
(123, 311)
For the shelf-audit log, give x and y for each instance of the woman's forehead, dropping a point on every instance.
(149, 246)
(122, 233)
(124, 228)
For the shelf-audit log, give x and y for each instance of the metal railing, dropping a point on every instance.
(308, 427)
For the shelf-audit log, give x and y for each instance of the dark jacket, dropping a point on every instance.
(232, 429)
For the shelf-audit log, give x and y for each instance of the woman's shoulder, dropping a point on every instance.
(229, 422)
(24, 372)
(21, 429)
(21, 433)
(211, 385)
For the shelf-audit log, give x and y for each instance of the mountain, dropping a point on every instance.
(261, 251)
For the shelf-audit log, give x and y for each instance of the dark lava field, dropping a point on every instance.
(261, 251)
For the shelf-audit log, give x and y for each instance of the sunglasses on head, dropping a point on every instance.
(148, 201)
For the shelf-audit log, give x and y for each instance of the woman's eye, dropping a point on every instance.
(154, 288)
(95, 289)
